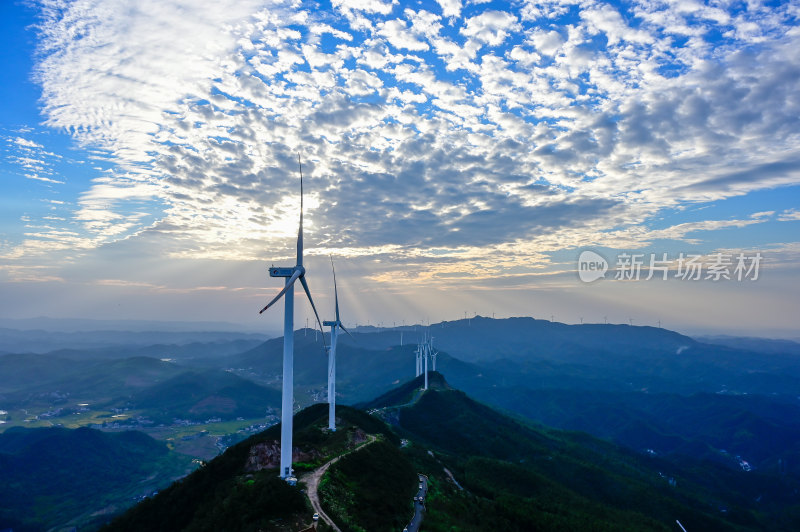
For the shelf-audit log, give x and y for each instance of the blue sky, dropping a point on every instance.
(459, 156)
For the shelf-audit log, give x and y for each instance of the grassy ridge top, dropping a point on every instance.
(370, 489)
(223, 495)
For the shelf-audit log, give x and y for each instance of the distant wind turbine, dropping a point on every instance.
(433, 353)
(335, 325)
(418, 360)
(291, 274)
(426, 369)
(425, 352)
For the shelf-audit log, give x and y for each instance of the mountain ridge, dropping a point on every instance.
(562, 479)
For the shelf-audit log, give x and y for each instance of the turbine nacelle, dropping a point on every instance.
(283, 272)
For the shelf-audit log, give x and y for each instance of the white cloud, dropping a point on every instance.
(37, 177)
(523, 56)
(538, 9)
(491, 27)
(450, 8)
(397, 33)
(789, 215)
(355, 11)
(543, 141)
(608, 21)
(373, 6)
(19, 141)
(547, 42)
(109, 82)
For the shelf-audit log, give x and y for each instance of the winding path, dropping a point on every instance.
(312, 483)
(419, 505)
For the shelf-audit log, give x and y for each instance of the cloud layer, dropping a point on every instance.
(462, 137)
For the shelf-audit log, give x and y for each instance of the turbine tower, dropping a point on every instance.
(433, 354)
(423, 353)
(426, 370)
(335, 325)
(291, 274)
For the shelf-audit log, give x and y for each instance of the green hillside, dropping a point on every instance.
(227, 495)
(200, 395)
(763, 430)
(370, 490)
(486, 471)
(406, 392)
(521, 477)
(53, 477)
(79, 393)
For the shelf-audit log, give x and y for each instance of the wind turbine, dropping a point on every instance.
(433, 354)
(426, 368)
(291, 274)
(418, 361)
(423, 354)
(335, 325)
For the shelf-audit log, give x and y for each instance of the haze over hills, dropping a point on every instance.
(540, 354)
(363, 371)
(36, 390)
(103, 343)
(550, 372)
(761, 345)
(71, 325)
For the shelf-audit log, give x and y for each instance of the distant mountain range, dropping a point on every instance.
(635, 385)
(723, 405)
(111, 342)
(760, 345)
(87, 325)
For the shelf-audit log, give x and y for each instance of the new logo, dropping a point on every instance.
(591, 266)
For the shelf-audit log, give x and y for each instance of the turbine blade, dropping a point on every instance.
(292, 279)
(308, 293)
(335, 291)
(348, 332)
(300, 231)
